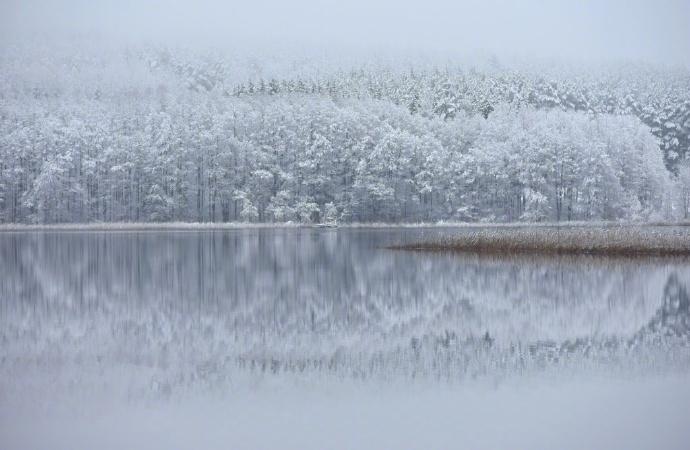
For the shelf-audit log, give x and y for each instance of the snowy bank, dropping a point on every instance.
(173, 226)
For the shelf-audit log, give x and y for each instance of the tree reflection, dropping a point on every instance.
(201, 307)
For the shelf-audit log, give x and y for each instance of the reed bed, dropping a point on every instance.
(617, 241)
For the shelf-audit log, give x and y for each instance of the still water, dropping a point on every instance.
(155, 316)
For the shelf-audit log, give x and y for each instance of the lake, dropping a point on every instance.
(236, 323)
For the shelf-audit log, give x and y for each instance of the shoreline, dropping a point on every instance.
(201, 226)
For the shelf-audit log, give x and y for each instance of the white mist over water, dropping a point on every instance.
(584, 414)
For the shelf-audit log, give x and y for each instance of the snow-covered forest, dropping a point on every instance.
(161, 134)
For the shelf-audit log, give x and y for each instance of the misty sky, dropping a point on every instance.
(656, 31)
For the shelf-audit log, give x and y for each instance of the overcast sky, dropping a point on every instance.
(648, 30)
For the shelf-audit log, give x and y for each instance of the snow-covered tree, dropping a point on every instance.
(174, 136)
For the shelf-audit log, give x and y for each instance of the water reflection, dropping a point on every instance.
(177, 309)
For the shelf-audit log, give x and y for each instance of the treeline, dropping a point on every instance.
(143, 146)
(308, 159)
(659, 97)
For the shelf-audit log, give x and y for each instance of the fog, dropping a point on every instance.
(639, 30)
